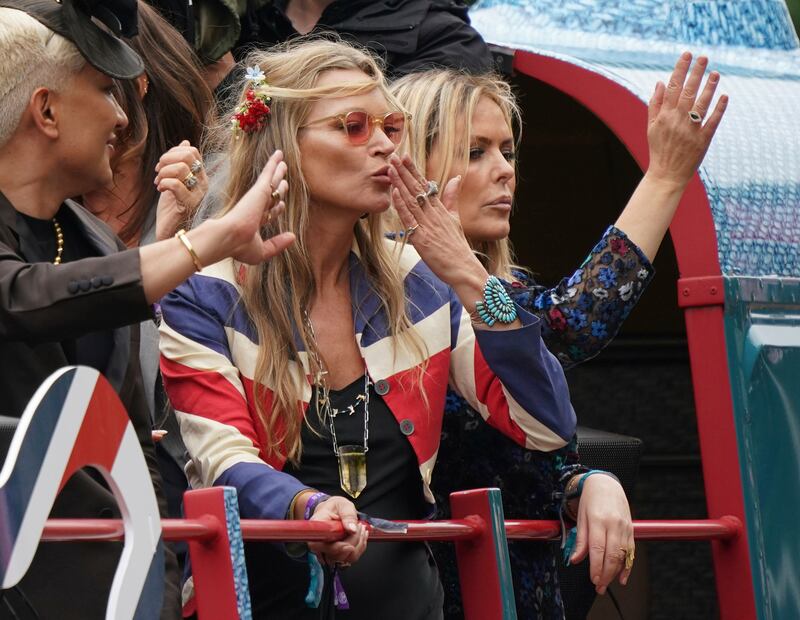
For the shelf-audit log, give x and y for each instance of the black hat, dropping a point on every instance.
(73, 20)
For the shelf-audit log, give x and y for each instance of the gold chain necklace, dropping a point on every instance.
(59, 241)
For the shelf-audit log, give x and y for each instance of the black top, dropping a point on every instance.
(391, 580)
(38, 244)
(410, 35)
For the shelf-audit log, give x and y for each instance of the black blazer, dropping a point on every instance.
(42, 305)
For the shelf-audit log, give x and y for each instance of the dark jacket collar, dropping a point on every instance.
(99, 235)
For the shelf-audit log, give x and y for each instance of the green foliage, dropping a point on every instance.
(794, 9)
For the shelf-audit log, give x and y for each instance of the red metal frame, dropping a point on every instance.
(486, 591)
(207, 529)
(695, 242)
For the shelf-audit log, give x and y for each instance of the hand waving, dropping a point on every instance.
(679, 128)
(261, 203)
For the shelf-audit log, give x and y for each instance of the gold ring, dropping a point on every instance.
(190, 182)
(630, 556)
(410, 231)
(276, 196)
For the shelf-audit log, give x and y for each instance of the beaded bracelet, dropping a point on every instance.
(496, 305)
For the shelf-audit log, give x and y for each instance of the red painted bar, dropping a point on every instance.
(212, 567)
(726, 528)
(205, 528)
(484, 574)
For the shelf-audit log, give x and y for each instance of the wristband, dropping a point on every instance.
(313, 501)
(577, 492)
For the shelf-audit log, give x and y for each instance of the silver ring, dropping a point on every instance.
(432, 189)
(411, 231)
(196, 166)
(695, 116)
(190, 181)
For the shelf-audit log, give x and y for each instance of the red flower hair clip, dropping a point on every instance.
(253, 114)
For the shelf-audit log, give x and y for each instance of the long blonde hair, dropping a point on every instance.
(277, 293)
(442, 102)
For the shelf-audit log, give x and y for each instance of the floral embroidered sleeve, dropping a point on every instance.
(584, 312)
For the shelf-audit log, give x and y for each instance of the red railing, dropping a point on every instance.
(206, 528)
(485, 577)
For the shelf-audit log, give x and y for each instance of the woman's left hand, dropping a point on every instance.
(434, 223)
(181, 178)
(605, 531)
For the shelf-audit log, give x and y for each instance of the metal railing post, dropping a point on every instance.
(484, 568)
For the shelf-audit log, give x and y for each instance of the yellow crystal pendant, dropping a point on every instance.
(352, 469)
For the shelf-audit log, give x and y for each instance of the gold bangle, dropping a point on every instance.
(181, 235)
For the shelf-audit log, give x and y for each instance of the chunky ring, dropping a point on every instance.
(432, 189)
(695, 116)
(190, 181)
(276, 196)
(410, 231)
(196, 167)
(629, 557)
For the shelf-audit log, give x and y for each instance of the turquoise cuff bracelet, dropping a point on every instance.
(496, 305)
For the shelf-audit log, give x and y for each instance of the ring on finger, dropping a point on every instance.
(196, 166)
(190, 182)
(431, 189)
(695, 116)
(276, 196)
(411, 230)
(630, 556)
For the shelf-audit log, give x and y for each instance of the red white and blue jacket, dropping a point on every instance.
(208, 356)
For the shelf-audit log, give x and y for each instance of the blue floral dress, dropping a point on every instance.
(581, 315)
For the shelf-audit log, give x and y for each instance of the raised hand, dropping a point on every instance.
(679, 127)
(262, 202)
(181, 178)
(433, 223)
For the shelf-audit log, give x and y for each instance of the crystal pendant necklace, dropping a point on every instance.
(352, 458)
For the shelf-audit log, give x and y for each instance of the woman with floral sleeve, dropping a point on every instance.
(463, 125)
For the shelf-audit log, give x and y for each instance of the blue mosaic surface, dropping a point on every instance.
(237, 554)
(752, 170)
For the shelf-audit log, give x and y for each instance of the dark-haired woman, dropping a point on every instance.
(159, 180)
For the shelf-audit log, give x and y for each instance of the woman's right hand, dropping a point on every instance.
(677, 144)
(349, 549)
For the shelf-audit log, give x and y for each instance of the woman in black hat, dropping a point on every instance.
(68, 287)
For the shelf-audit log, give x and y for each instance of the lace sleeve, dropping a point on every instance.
(584, 312)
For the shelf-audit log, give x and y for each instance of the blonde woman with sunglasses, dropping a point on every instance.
(315, 384)
(463, 126)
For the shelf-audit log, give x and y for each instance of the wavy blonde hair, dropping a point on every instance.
(442, 103)
(277, 293)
